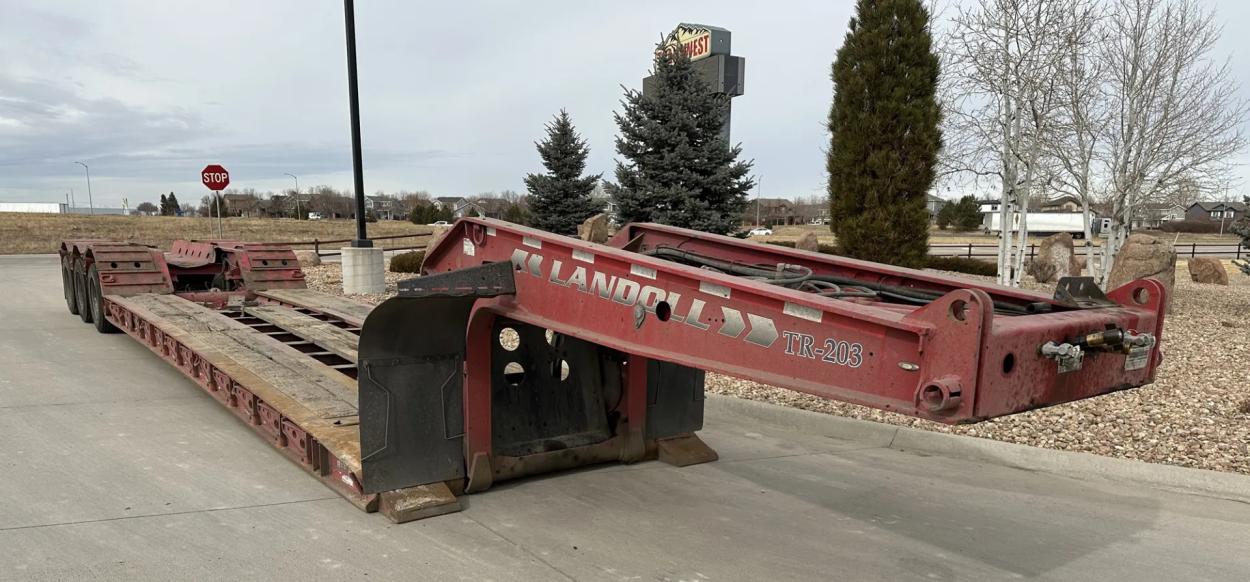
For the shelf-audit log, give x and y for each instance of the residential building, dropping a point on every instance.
(1216, 211)
(382, 207)
(811, 213)
(769, 212)
(1064, 203)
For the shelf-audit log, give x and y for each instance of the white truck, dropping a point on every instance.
(1045, 223)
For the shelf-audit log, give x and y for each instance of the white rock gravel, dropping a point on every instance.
(1196, 414)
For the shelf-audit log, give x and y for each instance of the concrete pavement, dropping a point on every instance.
(117, 468)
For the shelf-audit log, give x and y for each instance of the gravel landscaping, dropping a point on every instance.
(1197, 413)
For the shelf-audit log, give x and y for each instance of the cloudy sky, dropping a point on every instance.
(453, 94)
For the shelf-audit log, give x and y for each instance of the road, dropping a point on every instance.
(117, 468)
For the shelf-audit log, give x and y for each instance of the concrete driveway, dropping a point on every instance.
(117, 468)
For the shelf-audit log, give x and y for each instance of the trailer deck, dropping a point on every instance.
(298, 393)
(519, 352)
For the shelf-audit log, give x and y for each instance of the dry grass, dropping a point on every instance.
(42, 233)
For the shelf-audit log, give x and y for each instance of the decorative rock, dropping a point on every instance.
(1144, 256)
(1208, 270)
(808, 242)
(308, 258)
(1054, 258)
(594, 229)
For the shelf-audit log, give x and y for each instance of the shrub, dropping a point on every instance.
(409, 262)
(1191, 226)
(962, 265)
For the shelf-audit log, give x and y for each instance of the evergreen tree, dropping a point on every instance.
(164, 206)
(174, 206)
(885, 134)
(678, 168)
(966, 214)
(560, 199)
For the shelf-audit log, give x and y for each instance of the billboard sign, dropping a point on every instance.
(698, 41)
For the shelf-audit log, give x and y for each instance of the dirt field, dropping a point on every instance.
(792, 233)
(42, 233)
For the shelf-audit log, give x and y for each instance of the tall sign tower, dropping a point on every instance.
(708, 48)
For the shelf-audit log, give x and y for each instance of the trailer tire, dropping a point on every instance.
(80, 292)
(67, 283)
(96, 301)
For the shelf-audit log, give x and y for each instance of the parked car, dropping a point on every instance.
(761, 231)
(439, 223)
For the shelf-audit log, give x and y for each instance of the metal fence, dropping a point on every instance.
(316, 244)
(975, 251)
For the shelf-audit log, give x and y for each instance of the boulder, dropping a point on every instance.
(1144, 256)
(1078, 266)
(808, 242)
(1208, 270)
(308, 258)
(1054, 259)
(594, 229)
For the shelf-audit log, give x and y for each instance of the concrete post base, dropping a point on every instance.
(363, 270)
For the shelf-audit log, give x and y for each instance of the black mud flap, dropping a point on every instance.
(411, 362)
(674, 399)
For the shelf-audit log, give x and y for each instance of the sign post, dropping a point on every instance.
(708, 48)
(216, 178)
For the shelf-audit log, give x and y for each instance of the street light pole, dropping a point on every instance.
(349, 19)
(296, 178)
(758, 186)
(90, 202)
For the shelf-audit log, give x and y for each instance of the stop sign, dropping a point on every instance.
(215, 177)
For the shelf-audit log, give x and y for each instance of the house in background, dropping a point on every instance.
(451, 203)
(1216, 211)
(768, 212)
(1064, 203)
(382, 207)
(811, 213)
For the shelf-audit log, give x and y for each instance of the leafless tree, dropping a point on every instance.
(1078, 137)
(1177, 115)
(1005, 58)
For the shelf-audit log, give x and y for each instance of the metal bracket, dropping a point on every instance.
(1082, 293)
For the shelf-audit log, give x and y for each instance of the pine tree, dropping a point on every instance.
(678, 168)
(164, 205)
(174, 206)
(885, 135)
(560, 199)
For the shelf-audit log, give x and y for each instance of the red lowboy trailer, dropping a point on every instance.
(521, 352)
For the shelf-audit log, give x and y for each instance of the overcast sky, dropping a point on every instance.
(453, 94)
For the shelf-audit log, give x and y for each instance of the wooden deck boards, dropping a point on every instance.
(350, 311)
(331, 337)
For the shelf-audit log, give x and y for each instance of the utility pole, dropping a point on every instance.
(758, 187)
(296, 178)
(72, 203)
(353, 94)
(363, 263)
(90, 202)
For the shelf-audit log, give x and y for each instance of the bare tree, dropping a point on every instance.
(1083, 113)
(1005, 58)
(1177, 115)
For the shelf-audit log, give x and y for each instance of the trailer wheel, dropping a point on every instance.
(96, 300)
(80, 292)
(67, 283)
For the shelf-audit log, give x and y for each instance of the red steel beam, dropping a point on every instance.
(953, 360)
